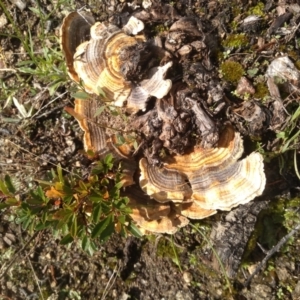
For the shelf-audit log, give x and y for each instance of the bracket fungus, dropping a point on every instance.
(197, 176)
(108, 60)
(217, 178)
(152, 216)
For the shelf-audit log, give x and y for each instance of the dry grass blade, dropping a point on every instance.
(110, 284)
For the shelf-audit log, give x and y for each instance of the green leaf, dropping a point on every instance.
(122, 219)
(3, 188)
(85, 243)
(92, 248)
(41, 226)
(26, 222)
(88, 245)
(135, 145)
(296, 114)
(9, 184)
(281, 135)
(3, 205)
(101, 92)
(108, 160)
(82, 185)
(105, 182)
(121, 140)
(59, 173)
(252, 72)
(41, 194)
(119, 185)
(100, 227)
(97, 210)
(35, 198)
(98, 169)
(67, 240)
(107, 232)
(133, 229)
(95, 198)
(24, 63)
(35, 10)
(99, 110)
(73, 229)
(80, 95)
(11, 201)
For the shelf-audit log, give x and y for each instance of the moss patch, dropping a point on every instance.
(261, 90)
(235, 41)
(232, 71)
(257, 10)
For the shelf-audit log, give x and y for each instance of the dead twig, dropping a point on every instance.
(272, 252)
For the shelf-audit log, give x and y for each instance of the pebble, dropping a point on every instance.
(3, 21)
(20, 4)
(296, 292)
(187, 277)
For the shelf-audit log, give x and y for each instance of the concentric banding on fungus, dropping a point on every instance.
(153, 216)
(80, 24)
(95, 138)
(231, 186)
(193, 211)
(163, 185)
(230, 148)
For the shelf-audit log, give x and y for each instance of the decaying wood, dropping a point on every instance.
(230, 235)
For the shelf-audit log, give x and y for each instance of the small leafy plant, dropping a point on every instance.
(87, 210)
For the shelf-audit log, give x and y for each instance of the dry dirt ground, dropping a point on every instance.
(183, 266)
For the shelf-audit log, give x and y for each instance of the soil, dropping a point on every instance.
(185, 265)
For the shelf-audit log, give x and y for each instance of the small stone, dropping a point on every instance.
(146, 4)
(245, 87)
(20, 4)
(187, 277)
(282, 274)
(3, 21)
(124, 296)
(296, 292)
(181, 295)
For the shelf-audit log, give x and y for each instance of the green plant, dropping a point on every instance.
(44, 58)
(87, 210)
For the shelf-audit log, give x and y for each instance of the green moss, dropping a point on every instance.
(232, 71)
(234, 25)
(297, 64)
(257, 10)
(273, 223)
(261, 90)
(165, 249)
(235, 41)
(160, 28)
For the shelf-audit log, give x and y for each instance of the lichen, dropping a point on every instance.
(235, 41)
(232, 71)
